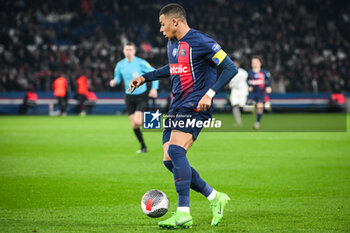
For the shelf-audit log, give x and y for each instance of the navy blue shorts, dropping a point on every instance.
(188, 116)
(258, 97)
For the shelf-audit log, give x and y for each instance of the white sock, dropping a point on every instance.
(183, 209)
(212, 195)
(237, 114)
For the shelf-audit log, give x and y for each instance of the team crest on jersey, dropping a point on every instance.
(216, 60)
(216, 47)
(174, 52)
(183, 52)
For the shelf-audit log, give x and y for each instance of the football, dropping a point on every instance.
(154, 203)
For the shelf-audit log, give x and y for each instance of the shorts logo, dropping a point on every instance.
(179, 69)
(183, 52)
(216, 47)
(151, 120)
(174, 52)
(216, 60)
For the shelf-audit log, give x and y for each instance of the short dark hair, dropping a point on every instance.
(258, 57)
(175, 10)
(130, 44)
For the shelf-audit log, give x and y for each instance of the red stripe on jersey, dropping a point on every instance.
(261, 78)
(149, 204)
(186, 78)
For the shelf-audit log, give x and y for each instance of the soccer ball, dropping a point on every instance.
(155, 203)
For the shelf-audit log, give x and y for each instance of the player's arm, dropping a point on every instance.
(249, 82)
(268, 81)
(229, 70)
(117, 76)
(163, 72)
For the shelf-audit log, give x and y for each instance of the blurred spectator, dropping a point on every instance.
(305, 44)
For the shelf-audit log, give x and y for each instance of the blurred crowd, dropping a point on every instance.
(305, 43)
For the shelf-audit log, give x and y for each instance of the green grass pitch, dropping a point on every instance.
(82, 175)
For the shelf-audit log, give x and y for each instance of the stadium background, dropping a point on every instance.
(79, 174)
(304, 44)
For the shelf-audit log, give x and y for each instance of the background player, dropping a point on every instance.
(127, 69)
(193, 58)
(239, 92)
(60, 87)
(82, 92)
(259, 81)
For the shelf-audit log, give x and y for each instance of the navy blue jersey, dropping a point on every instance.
(193, 60)
(259, 81)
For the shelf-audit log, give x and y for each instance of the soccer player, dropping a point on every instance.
(259, 81)
(59, 87)
(239, 92)
(82, 91)
(127, 69)
(193, 60)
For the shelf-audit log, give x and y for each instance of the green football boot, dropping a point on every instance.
(178, 220)
(217, 206)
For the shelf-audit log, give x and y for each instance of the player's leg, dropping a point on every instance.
(259, 113)
(235, 107)
(197, 183)
(140, 102)
(217, 200)
(82, 100)
(178, 144)
(62, 106)
(131, 110)
(237, 114)
(135, 124)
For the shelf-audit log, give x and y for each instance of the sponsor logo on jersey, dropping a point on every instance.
(257, 82)
(179, 69)
(216, 47)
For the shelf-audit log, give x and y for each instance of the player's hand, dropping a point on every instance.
(135, 83)
(204, 103)
(153, 93)
(250, 89)
(112, 83)
(268, 90)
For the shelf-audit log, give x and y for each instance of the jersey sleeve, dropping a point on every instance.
(268, 79)
(117, 74)
(249, 79)
(212, 50)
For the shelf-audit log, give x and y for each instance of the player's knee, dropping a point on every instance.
(135, 123)
(175, 151)
(166, 156)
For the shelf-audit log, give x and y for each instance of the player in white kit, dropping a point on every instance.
(239, 92)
